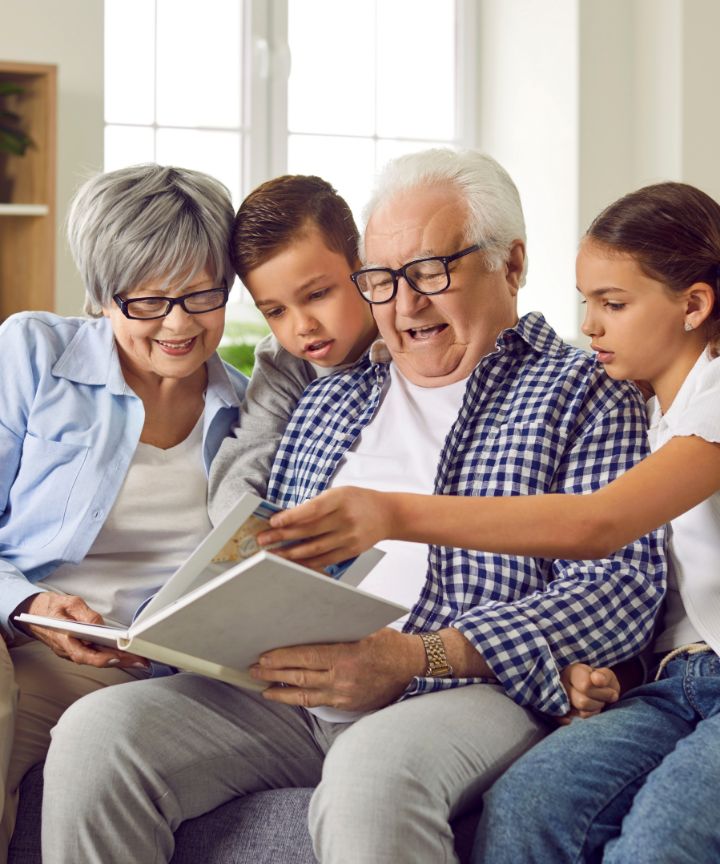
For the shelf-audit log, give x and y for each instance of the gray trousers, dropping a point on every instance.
(128, 764)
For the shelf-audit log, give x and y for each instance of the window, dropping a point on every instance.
(346, 86)
(249, 89)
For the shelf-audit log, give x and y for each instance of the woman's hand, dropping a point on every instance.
(53, 605)
(589, 690)
(338, 524)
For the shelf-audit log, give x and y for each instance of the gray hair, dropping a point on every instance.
(495, 216)
(148, 222)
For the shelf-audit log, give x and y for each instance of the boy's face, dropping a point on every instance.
(312, 307)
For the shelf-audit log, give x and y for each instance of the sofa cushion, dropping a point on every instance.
(264, 828)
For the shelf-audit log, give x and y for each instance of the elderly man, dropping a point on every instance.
(410, 725)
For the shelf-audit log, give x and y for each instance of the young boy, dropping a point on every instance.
(294, 244)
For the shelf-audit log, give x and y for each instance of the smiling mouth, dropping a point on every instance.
(176, 346)
(421, 333)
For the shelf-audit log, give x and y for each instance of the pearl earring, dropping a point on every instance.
(688, 327)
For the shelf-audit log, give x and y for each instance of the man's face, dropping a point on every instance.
(439, 339)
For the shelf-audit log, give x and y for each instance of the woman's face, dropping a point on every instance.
(175, 346)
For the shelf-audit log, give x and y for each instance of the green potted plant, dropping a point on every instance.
(13, 140)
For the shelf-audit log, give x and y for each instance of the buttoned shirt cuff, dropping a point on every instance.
(520, 659)
(14, 591)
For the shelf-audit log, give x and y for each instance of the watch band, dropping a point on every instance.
(438, 666)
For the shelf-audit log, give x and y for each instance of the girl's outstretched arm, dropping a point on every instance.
(343, 522)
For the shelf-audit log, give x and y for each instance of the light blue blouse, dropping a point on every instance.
(69, 426)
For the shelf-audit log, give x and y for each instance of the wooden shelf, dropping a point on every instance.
(24, 209)
(27, 226)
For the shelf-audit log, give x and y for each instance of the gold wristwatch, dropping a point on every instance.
(438, 666)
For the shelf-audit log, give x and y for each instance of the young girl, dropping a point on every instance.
(634, 783)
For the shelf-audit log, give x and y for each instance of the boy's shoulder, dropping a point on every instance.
(269, 353)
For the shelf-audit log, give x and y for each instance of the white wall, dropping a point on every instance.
(528, 120)
(70, 34)
(585, 100)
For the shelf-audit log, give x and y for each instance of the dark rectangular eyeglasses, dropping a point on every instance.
(147, 308)
(424, 275)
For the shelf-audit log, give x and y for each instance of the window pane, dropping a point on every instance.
(347, 163)
(332, 80)
(216, 153)
(129, 61)
(199, 63)
(128, 145)
(416, 69)
(388, 149)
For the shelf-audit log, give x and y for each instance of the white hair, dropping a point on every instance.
(148, 222)
(495, 217)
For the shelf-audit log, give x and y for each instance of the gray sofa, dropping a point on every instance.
(264, 828)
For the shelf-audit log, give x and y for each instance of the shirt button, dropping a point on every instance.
(98, 514)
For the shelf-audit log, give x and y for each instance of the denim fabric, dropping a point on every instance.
(636, 784)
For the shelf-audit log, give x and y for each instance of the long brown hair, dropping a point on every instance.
(672, 230)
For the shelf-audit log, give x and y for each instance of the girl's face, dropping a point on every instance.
(635, 323)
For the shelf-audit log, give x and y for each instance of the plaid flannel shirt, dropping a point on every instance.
(538, 416)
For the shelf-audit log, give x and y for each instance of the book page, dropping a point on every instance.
(262, 603)
(98, 634)
(202, 565)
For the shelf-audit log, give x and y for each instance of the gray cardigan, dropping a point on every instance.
(244, 460)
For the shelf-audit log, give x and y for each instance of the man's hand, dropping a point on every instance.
(338, 524)
(589, 690)
(352, 676)
(53, 605)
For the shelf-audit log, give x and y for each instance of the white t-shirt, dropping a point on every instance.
(399, 451)
(159, 517)
(693, 599)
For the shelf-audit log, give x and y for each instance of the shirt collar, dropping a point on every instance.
(533, 331)
(220, 383)
(91, 357)
(682, 399)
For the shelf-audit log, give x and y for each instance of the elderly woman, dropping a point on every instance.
(108, 425)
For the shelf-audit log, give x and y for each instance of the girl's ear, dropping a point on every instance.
(699, 303)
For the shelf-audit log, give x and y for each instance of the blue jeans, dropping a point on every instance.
(638, 783)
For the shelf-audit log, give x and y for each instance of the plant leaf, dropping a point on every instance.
(11, 143)
(10, 88)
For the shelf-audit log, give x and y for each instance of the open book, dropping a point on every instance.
(229, 602)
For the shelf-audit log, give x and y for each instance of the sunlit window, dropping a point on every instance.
(180, 78)
(368, 87)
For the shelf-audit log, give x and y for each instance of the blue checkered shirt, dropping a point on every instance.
(538, 416)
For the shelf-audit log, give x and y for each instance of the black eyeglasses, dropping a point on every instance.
(425, 275)
(147, 308)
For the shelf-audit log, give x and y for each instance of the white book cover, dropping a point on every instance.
(221, 609)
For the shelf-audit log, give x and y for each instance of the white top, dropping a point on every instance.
(693, 599)
(399, 451)
(159, 517)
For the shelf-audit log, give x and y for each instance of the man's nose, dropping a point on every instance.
(407, 299)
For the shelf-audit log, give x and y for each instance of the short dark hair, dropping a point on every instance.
(285, 208)
(672, 230)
